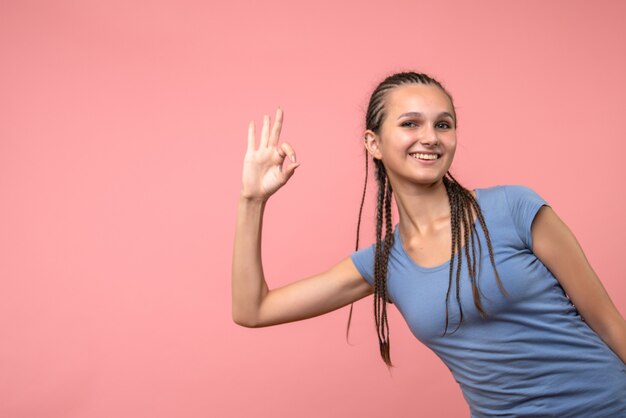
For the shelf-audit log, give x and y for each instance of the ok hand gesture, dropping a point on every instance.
(263, 171)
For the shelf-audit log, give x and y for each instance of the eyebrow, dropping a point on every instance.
(416, 114)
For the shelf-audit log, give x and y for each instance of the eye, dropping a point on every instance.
(444, 125)
(409, 124)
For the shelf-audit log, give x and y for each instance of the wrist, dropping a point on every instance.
(252, 200)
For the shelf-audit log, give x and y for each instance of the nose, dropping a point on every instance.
(429, 136)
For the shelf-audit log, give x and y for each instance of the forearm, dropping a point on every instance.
(248, 282)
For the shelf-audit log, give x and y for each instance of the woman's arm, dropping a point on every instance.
(556, 246)
(253, 304)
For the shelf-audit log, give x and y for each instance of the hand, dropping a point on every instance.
(263, 171)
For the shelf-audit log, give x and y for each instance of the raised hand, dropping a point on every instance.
(263, 169)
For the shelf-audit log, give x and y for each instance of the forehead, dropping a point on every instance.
(417, 97)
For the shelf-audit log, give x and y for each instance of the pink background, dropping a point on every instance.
(122, 132)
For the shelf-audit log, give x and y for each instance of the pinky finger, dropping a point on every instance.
(251, 136)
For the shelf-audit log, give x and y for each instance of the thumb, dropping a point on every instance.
(289, 170)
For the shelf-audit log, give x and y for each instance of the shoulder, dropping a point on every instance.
(522, 204)
(512, 194)
(516, 201)
(517, 194)
(363, 260)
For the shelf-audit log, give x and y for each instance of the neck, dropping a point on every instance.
(422, 208)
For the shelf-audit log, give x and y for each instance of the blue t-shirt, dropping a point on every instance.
(533, 355)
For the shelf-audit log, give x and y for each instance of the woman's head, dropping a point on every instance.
(411, 129)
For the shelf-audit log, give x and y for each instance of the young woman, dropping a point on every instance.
(490, 279)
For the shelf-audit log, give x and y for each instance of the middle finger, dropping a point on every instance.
(278, 124)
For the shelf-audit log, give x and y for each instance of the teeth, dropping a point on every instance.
(425, 156)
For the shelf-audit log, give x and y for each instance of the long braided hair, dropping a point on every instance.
(463, 209)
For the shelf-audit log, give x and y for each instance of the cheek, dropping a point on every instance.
(398, 144)
(451, 151)
(451, 145)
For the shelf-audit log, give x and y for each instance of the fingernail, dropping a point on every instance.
(293, 158)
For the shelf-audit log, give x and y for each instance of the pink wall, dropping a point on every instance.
(122, 132)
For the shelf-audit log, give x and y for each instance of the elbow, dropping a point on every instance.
(245, 321)
(247, 314)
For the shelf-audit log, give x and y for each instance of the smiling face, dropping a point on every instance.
(417, 138)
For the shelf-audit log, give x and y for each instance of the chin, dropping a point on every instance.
(425, 181)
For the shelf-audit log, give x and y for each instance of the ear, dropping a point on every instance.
(372, 144)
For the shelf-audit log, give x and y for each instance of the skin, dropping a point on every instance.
(424, 221)
(421, 197)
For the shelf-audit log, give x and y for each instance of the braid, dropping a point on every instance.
(455, 220)
(358, 233)
(463, 205)
(383, 248)
(463, 209)
(389, 239)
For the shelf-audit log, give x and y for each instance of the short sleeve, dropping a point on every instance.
(363, 260)
(524, 203)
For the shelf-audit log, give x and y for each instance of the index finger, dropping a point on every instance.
(278, 124)
(251, 136)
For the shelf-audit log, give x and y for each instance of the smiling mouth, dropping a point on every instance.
(423, 156)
